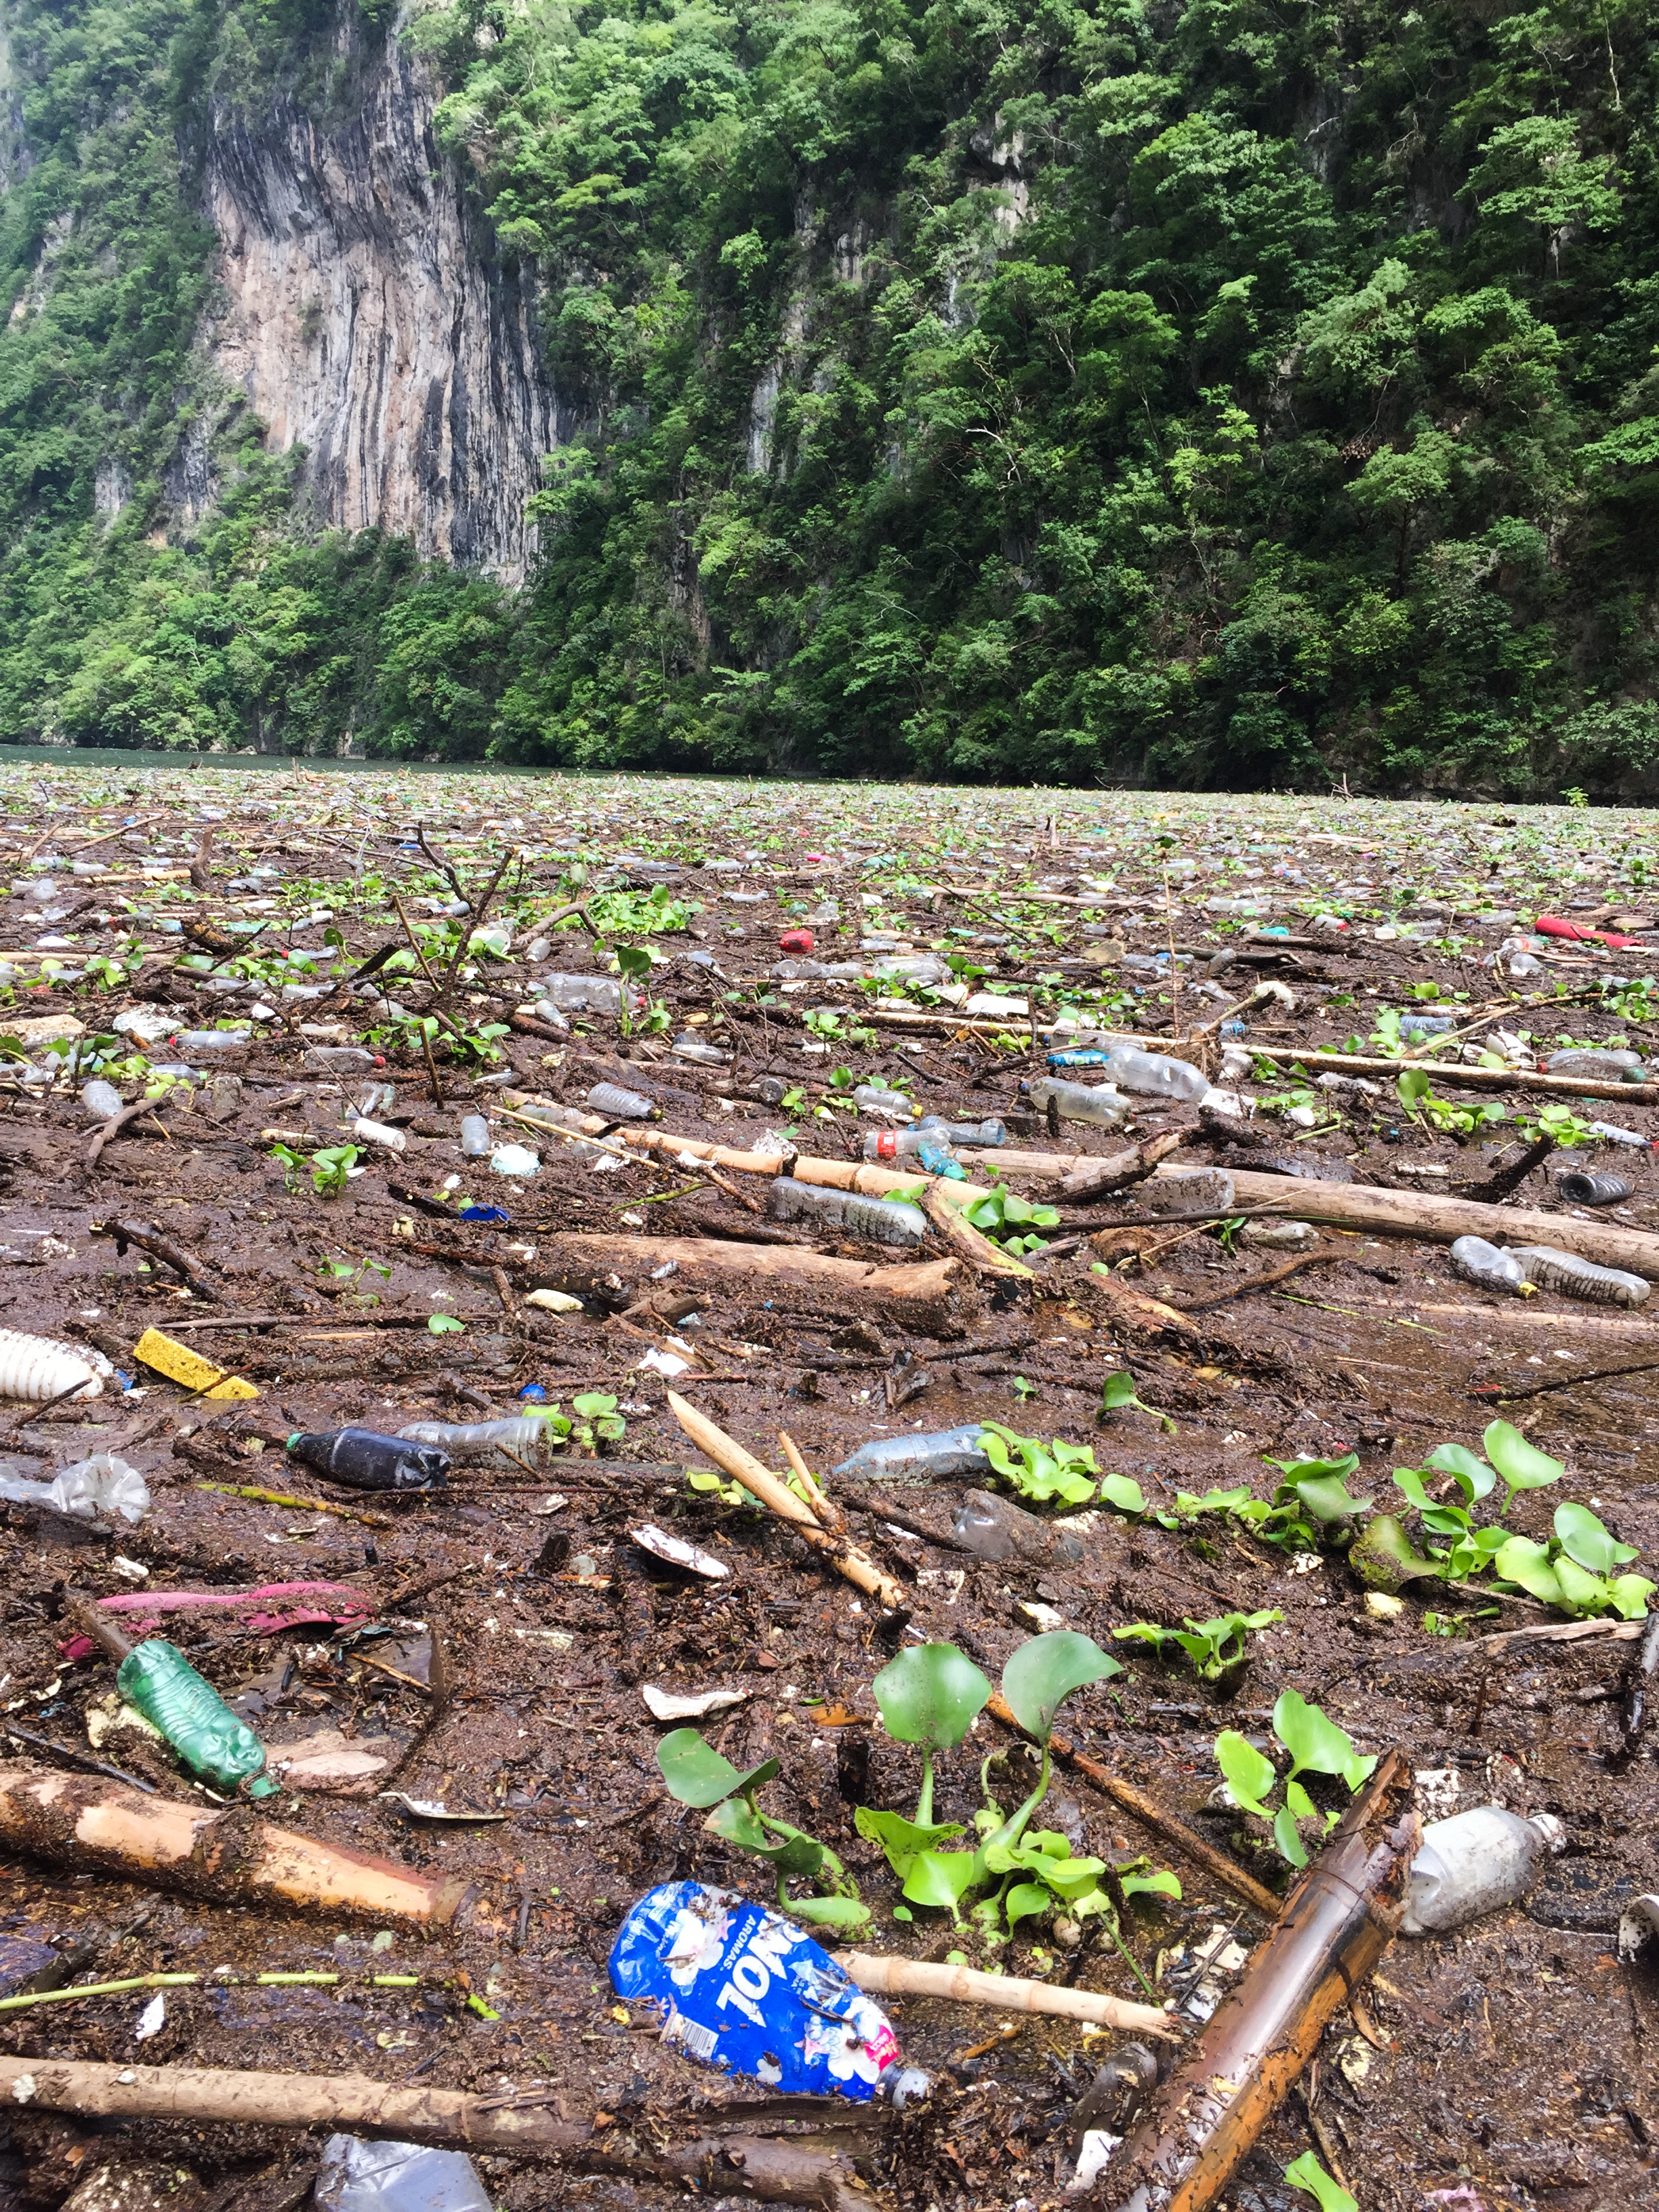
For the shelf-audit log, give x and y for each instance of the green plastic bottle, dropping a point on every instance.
(157, 1680)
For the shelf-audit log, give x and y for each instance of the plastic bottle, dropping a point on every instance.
(157, 1680)
(101, 1100)
(363, 1459)
(766, 1090)
(213, 1040)
(475, 1137)
(1075, 1102)
(1473, 1864)
(1612, 1066)
(365, 1131)
(877, 1099)
(525, 1436)
(616, 1105)
(1177, 1193)
(1552, 1270)
(1478, 1262)
(741, 1987)
(882, 1220)
(102, 1484)
(341, 1055)
(995, 1529)
(919, 1459)
(1611, 1134)
(699, 1052)
(581, 995)
(934, 1158)
(1580, 1190)
(905, 1144)
(396, 2177)
(1426, 1025)
(1149, 1074)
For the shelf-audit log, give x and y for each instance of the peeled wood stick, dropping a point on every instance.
(826, 1511)
(1474, 1078)
(1152, 1815)
(945, 1212)
(224, 1853)
(917, 1977)
(726, 1452)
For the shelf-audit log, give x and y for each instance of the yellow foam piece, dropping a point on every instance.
(188, 1369)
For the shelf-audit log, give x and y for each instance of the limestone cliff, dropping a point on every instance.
(366, 314)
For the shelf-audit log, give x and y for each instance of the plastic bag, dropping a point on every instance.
(91, 1487)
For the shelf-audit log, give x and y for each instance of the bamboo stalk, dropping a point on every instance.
(884, 1977)
(726, 1452)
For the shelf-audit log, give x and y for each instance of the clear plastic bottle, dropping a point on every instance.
(1596, 1062)
(919, 1459)
(1494, 1269)
(904, 1144)
(699, 1052)
(101, 1100)
(1573, 1277)
(523, 1436)
(475, 1137)
(1154, 1075)
(1075, 1102)
(996, 1528)
(581, 995)
(616, 1105)
(213, 1040)
(877, 1099)
(1476, 1864)
(363, 1459)
(341, 1055)
(1611, 1134)
(882, 1220)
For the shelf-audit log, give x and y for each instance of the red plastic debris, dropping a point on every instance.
(795, 940)
(1553, 924)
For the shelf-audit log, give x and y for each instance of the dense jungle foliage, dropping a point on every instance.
(1244, 391)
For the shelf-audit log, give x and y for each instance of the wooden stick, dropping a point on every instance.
(1472, 1078)
(922, 1287)
(828, 1513)
(1266, 1281)
(206, 1851)
(726, 1452)
(1152, 1815)
(917, 1977)
(945, 1210)
(781, 2172)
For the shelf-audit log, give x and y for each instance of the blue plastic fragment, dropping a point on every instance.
(1079, 1058)
(740, 1987)
(535, 1392)
(489, 1213)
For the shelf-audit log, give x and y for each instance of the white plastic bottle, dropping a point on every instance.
(1473, 1864)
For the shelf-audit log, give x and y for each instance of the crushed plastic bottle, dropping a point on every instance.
(616, 1104)
(1597, 1064)
(918, 1459)
(740, 1987)
(1180, 1193)
(882, 1220)
(996, 1528)
(1075, 1102)
(581, 995)
(524, 1436)
(475, 1136)
(1489, 1267)
(877, 1099)
(100, 1101)
(1580, 1190)
(1474, 1864)
(396, 2177)
(101, 1485)
(363, 1459)
(1565, 1272)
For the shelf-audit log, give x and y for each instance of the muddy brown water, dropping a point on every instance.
(1512, 2063)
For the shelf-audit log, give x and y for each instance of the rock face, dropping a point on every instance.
(367, 315)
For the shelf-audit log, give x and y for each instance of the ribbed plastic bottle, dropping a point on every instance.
(1075, 1102)
(157, 1680)
(363, 1459)
(882, 1220)
(573, 995)
(619, 1105)
(1573, 1277)
(1580, 1190)
(1473, 1864)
